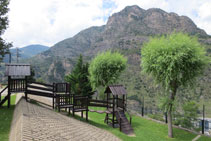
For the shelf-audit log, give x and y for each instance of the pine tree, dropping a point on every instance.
(79, 79)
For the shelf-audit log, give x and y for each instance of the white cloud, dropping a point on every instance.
(50, 21)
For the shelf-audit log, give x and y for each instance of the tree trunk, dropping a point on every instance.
(170, 130)
(172, 96)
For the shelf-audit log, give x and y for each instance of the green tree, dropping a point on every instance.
(174, 60)
(79, 79)
(106, 68)
(4, 47)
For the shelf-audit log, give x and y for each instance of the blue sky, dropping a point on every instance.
(50, 21)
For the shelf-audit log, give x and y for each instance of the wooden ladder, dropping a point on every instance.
(125, 125)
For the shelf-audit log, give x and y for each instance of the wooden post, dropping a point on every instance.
(124, 106)
(9, 87)
(117, 101)
(113, 111)
(53, 96)
(87, 115)
(107, 108)
(73, 104)
(120, 124)
(87, 109)
(26, 95)
(82, 114)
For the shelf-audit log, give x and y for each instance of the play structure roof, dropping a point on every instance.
(18, 70)
(116, 90)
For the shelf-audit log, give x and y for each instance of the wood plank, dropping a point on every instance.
(44, 84)
(40, 93)
(40, 88)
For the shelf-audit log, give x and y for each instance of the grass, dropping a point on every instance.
(6, 115)
(145, 130)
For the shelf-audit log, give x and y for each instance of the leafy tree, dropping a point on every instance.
(79, 78)
(106, 68)
(174, 60)
(4, 47)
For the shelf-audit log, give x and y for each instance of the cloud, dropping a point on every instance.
(50, 21)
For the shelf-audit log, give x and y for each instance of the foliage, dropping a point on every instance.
(4, 47)
(177, 57)
(106, 68)
(190, 110)
(6, 115)
(174, 60)
(79, 78)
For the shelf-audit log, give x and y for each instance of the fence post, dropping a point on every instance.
(202, 127)
(120, 127)
(202, 122)
(26, 89)
(166, 119)
(142, 109)
(9, 93)
(53, 95)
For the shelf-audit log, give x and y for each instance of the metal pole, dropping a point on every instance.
(142, 110)
(203, 119)
(166, 120)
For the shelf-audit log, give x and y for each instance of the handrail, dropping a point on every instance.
(40, 83)
(120, 118)
(3, 91)
(129, 115)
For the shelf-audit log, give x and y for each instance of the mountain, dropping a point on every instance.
(26, 52)
(125, 31)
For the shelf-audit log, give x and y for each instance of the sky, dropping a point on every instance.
(47, 22)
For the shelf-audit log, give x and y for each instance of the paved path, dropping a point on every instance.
(33, 122)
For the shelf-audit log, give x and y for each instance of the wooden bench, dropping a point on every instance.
(73, 103)
(80, 104)
(64, 101)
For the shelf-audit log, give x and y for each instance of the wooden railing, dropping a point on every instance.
(17, 85)
(62, 87)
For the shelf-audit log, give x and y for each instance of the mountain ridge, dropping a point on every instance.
(26, 52)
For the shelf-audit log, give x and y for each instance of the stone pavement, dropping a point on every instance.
(33, 122)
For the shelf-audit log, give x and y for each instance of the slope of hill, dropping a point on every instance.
(125, 31)
(26, 52)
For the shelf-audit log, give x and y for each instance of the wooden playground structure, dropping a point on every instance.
(63, 98)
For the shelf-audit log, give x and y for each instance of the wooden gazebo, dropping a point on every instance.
(17, 78)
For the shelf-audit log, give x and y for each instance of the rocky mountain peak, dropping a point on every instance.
(150, 22)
